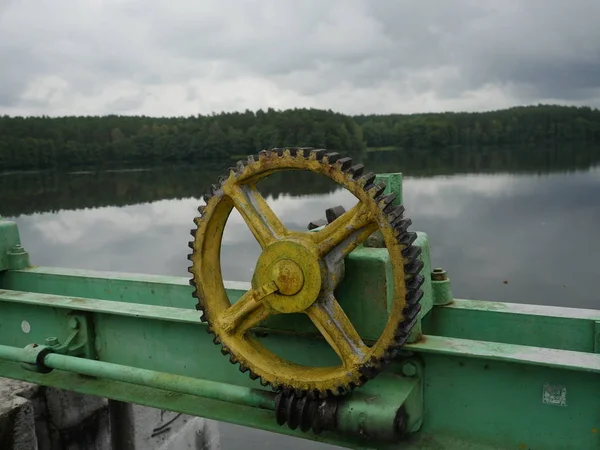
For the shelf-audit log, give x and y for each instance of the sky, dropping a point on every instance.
(184, 57)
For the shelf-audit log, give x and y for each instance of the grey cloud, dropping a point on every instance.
(529, 50)
(127, 102)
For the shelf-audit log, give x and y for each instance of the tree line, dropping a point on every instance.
(542, 124)
(65, 142)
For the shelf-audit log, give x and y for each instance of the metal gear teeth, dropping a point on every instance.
(407, 238)
(401, 225)
(412, 252)
(396, 213)
(343, 164)
(413, 266)
(366, 180)
(375, 190)
(305, 412)
(317, 154)
(331, 157)
(356, 171)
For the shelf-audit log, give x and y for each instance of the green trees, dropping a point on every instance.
(45, 142)
(514, 126)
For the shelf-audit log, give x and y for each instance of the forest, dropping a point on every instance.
(30, 143)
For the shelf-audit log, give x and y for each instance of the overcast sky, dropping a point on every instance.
(177, 57)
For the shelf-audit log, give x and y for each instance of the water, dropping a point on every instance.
(514, 225)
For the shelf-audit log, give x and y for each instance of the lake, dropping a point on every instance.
(514, 225)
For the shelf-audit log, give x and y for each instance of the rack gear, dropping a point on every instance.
(297, 272)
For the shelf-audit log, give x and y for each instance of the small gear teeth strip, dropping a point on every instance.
(412, 268)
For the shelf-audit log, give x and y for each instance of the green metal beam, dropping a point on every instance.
(494, 351)
(367, 275)
(556, 358)
(514, 323)
(522, 324)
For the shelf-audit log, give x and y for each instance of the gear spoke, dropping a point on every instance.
(344, 234)
(333, 323)
(248, 311)
(258, 215)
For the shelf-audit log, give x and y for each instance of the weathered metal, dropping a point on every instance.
(440, 285)
(12, 254)
(473, 374)
(298, 273)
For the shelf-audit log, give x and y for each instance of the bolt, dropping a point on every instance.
(409, 369)
(16, 249)
(51, 341)
(74, 323)
(439, 275)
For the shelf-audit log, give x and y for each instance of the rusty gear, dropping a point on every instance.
(297, 272)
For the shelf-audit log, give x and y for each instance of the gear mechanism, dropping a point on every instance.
(297, 272)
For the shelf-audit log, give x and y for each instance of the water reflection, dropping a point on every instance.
(514, 238)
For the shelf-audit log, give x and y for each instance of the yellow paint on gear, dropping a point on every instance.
(296, 273)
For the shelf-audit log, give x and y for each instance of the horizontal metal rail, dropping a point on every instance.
(174, 383)
(553, 358)
(562, 328)
(521, 354)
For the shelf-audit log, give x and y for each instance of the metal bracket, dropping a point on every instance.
(35, 358)
(412, 367)
(79, 341)
(12, 254)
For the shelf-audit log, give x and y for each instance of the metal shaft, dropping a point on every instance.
(14, 354)
(175, 383)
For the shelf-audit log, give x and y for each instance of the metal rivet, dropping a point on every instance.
(26, 327)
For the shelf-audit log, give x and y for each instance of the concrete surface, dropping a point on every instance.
(39, 418)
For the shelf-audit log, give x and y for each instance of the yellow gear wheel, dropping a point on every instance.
(298, 271)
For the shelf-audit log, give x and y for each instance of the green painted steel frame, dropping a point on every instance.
(493, 373)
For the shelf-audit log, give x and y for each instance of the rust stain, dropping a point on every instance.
(594, 430)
